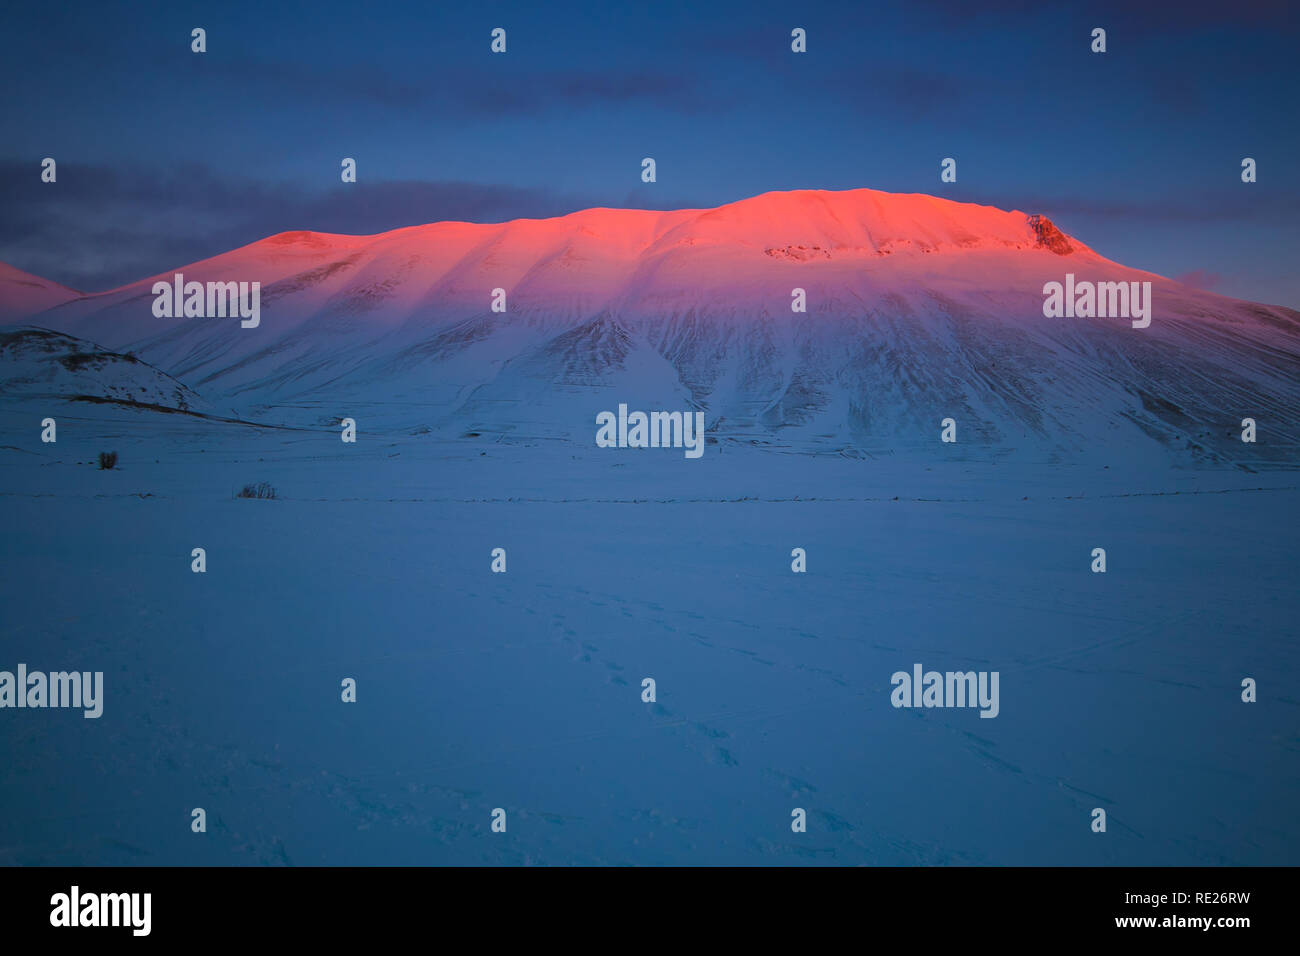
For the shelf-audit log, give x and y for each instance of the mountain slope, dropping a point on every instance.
(38, 363)
(918, 309)
(23, 295)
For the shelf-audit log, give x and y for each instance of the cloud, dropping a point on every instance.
(913, 92)
(511, 90)
(1161, 16)
(1224, 207)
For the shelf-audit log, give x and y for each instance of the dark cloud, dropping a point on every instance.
(511, 90)
(910, 92)
(1162, 16)
(1232, 206)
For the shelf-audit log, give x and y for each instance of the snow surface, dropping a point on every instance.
(23, 294)
(918, 309)
(522, 690)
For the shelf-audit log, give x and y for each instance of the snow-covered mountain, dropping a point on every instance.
(23, 294)
(39, 364)
(918, 309)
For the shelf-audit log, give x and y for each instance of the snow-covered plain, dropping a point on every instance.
(522, 690)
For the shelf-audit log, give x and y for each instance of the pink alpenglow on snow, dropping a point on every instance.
(816, 319)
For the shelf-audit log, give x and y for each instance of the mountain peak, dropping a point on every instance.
(23, 294)
(795, 225)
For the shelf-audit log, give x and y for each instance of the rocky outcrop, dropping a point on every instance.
(1049, 237)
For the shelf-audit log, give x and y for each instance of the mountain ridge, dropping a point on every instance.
(917, 308)
(921, 206)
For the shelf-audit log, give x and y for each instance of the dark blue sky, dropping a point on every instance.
(166, 156)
